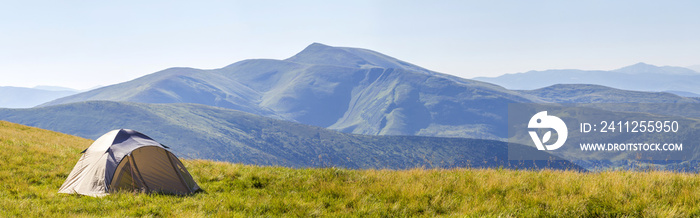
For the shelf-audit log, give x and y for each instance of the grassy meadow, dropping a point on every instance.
(34, 163)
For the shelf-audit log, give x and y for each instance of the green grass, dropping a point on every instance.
(34, 163)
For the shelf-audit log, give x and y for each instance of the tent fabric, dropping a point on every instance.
(128, 160)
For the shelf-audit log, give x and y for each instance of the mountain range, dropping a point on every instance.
(259, 111)
(360, 91)
(637, 77)
(347, 89)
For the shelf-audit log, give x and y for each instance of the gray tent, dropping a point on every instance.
(128, 160)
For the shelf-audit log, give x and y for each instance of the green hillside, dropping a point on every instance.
(35, 162)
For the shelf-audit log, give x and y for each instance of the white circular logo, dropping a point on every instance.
(542, 120)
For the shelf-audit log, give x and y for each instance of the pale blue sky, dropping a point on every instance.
(80, 44)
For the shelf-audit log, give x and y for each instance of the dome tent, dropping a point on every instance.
(128, 160)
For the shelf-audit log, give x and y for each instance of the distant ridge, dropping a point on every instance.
(55, 88)
(696, 68)
(684, 94)
(587, 93)
(637, 77)
(20, 97)
(643, 68)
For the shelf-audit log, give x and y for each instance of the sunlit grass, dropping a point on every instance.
(34, 163)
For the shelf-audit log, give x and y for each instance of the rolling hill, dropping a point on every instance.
(638, 77)
(199, 131)
(348, 89)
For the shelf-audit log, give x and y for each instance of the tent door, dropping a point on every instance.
(128, 177)
(157, 171)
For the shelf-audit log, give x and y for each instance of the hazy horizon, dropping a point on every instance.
(80, 45)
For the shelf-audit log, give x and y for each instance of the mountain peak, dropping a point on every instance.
(313, 48)
(322, 54)
(317, 45)
(642, 64)
(637, 68)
